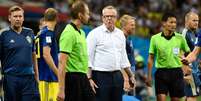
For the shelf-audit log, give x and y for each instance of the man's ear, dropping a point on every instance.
(80, 15)
(163, 23)
(9, 18)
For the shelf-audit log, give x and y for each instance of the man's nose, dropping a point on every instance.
(109, 17)
(17, 18)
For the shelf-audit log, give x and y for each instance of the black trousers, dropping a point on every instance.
(110, 85)
(78, 87)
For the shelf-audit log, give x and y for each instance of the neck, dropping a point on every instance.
(191, 29)
(167, 33)
(77, 23)
(110, 29)
(125, 33)
(16, 29)
(50, 25)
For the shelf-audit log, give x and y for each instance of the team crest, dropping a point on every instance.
(29, 39)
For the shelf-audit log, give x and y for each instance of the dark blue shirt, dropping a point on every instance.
(191, 37)
(46, 38)
(16, 51)
(198, 40)
(130, 53)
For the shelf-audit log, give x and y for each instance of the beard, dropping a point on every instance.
(16, 27)
(193, 29)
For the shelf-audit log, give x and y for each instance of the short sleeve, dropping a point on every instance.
(46, 38)
(66, 41)
(152, 46)
(185, 45)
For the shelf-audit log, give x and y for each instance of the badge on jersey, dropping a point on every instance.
(176, 51)
(48, 39)
(29, 39)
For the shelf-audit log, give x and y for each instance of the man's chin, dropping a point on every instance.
(193, 29)
(16, 27)
(173, 30)
(85, 22)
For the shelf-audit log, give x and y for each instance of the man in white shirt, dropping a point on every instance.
(107, 56)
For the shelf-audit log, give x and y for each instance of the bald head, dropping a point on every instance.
(191, 20)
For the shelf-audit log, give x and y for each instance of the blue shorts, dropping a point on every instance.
(20, 88)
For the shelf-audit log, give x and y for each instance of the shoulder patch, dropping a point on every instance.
(48, 39)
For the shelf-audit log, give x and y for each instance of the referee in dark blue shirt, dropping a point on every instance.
(18, 59)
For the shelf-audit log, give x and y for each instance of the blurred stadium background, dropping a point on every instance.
(147, 12)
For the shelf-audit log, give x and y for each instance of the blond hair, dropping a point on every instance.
(124, 20)
(15, 8)
(50, 14)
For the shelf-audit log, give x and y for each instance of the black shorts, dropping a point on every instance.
(169, 81)
(78, 87)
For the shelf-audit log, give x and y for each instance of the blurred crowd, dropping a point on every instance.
(147, 12)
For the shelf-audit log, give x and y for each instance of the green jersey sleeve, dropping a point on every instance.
(66, 41)
(152, 46)
(185, 47)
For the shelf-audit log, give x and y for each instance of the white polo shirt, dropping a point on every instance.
(107, 50)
